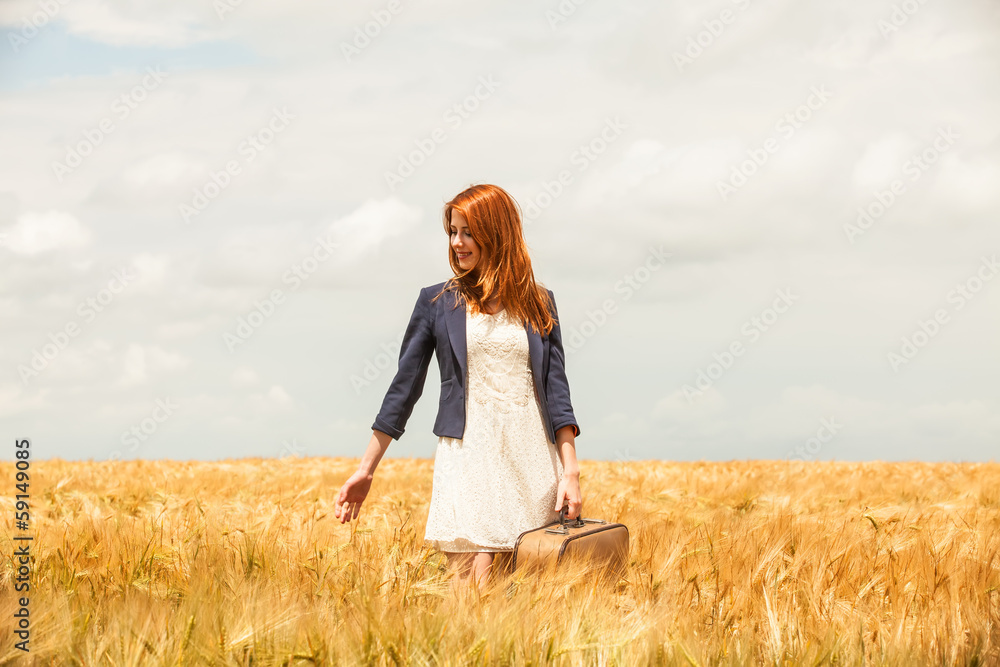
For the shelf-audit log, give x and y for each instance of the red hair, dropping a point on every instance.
(504, 266)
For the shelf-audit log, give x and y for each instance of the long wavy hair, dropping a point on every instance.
(504, 266)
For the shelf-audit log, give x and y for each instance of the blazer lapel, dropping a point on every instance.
(454, 319)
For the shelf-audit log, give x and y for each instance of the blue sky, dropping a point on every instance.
(55, 54)
(821, 181)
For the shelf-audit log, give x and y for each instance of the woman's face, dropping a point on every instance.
(465, 249)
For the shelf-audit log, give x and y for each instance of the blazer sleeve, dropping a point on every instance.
(414, 358)
(556, 384)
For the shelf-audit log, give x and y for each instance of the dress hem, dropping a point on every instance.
(450, 546)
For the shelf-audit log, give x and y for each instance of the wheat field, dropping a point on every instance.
(243, 562)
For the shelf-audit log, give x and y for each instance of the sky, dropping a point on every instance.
(771, 227)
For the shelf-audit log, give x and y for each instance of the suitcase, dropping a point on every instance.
(588, 543)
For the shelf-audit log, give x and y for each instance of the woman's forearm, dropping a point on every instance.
(376, 448)
(566, 444)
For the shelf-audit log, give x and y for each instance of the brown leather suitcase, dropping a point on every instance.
(593, 544)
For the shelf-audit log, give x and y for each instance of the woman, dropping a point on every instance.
(506, 454)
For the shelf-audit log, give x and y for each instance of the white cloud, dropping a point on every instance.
(969, 184)
(152, 272)
(245, 376)
(642, 159)
(922, 40)
(36, 233)
(154, 23)
(140, 362)
(276, 399)
(363, 231)
(847, 50)
(278, 394)
(180, 329)
(14, 400)
(882, 162)
(163, 170)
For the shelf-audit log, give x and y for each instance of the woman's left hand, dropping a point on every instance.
(569, 494)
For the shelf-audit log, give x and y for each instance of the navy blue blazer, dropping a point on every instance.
(440, 327)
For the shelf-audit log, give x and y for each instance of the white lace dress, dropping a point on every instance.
(501, 478)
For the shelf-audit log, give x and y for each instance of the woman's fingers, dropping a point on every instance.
(342, 508)
(347, 510)
(571, 504)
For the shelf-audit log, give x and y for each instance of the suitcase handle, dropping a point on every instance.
(562, 518)
(564, 527)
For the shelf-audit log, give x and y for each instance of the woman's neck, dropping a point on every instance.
(493, 306)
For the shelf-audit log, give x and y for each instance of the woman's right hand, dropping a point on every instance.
(352, 494)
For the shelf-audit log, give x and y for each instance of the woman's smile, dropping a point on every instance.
(465, 248)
